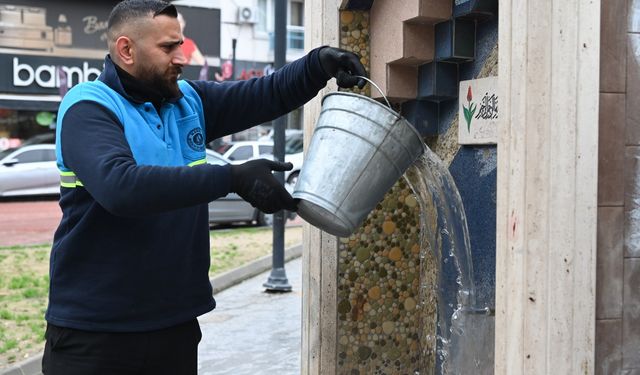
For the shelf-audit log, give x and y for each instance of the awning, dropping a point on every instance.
(30, 102)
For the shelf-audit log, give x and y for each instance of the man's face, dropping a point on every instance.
(158, 59)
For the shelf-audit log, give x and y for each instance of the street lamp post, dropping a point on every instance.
(233, 58)
(278, 281)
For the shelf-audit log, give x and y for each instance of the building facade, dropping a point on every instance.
(48, 47)
(247, 31)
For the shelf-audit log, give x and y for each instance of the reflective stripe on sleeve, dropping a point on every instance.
(69, 180)
(197, 162)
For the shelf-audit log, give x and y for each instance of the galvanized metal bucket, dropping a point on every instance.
(359, 149)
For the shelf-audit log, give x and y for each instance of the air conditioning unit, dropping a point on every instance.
(246, 15)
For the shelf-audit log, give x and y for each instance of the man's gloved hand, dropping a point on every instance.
(255, 183)
(345, 66)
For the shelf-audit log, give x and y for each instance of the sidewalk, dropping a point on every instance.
(249, 332)
(253, 332)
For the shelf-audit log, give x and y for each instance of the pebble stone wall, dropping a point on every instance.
(382, 324)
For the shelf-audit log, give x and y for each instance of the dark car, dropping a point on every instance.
(232, 208)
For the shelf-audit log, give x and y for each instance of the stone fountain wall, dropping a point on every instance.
(381, 323)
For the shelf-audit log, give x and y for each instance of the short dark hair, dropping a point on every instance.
(129, 10)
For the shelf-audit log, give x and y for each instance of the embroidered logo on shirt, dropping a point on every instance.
(195, 139)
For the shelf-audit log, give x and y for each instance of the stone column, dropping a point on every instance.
(547, 186)
(320, 250)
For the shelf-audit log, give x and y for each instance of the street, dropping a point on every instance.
(28, 222)
(34, 222)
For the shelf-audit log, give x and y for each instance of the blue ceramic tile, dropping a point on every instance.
(455, 40)
(423, 115)
(438, 81)
(444, 40)
(475, 174)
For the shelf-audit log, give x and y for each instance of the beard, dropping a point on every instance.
(164, 83)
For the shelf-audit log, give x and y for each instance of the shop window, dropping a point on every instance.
(261, 17)
(296, 13)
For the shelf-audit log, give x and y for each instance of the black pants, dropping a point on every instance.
(171, 351)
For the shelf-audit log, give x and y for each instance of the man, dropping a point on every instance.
(130, 259)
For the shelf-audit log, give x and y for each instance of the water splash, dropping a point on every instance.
(463, 330)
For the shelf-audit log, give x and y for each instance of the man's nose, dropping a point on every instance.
(179, 58)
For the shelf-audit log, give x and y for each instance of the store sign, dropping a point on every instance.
(39, 75)
(78, 28)
(62, 28)
(47, 76)
(478, 111)
(44, 43)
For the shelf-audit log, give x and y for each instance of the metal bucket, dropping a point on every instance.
(359, 149)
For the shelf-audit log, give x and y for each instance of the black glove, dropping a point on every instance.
(343, 65)
(255, 183)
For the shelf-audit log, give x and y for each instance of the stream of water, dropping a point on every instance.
(463, 343)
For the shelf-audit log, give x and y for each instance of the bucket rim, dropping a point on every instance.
(396, 114)
(363, 97)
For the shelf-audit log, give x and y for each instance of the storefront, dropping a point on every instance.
(48, 47)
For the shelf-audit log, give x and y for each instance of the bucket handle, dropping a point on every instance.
(376, 86)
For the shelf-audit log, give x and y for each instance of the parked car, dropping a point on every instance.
(287, 133)
(45, 138)
(232, 208)
(29, 170)
(293, 148)
(292, 154)
(239, 152)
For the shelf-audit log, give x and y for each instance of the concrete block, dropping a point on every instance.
(613, 45)
(610, 158)
(401, 83)
(608, 347)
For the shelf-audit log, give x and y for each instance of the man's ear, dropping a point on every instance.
(124, 50)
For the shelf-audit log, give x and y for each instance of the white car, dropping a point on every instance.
(291, 177)
(239, 152)
(292, 154)
(29, 170)
(287, 134)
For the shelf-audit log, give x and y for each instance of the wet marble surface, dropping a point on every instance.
(252, 332)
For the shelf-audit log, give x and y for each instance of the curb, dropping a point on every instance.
(258, 266)
(33, 365)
